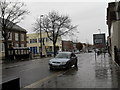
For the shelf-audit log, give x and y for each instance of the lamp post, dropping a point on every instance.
(99, 30)
(40, 37)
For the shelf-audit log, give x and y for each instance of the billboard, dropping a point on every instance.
(99, 40)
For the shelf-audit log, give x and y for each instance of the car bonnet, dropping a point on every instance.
(59, 59)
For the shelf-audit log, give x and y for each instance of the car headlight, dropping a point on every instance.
(50, 62)
(63, 63)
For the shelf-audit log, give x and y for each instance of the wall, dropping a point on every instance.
(119, 34)
(115, 36)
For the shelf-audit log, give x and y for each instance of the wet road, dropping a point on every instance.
(28, 71)
(91, 73)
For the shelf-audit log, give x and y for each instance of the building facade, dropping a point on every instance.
(71, 46)
(17, 39)
(34, 43)
(113, 22)
(67, 46)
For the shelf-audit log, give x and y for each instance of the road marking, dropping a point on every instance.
(37, 83)
(33, 60)
(11, 66)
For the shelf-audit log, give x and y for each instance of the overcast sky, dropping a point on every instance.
(89, 15)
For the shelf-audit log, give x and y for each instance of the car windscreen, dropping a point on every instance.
(63, 55)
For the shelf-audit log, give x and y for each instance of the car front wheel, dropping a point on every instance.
(76, 64)
(51, 68)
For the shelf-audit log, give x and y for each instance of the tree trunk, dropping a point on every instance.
(54, 46)
(6, 49)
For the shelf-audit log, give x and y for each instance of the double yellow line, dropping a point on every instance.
(38, 83)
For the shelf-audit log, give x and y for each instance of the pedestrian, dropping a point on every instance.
(104, 51)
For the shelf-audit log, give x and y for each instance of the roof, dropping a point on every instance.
(15, 27)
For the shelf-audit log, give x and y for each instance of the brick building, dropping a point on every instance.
(67, 46)
(17, 38)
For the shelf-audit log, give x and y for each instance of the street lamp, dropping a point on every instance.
(99, 30)
(40, 37)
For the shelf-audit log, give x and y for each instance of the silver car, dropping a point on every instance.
(63, 60)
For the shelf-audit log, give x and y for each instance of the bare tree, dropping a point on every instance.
(56, 25)
(11, 13)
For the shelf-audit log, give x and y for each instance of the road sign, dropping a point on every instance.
(99, 40)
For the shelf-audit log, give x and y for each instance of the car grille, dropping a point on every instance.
(56, 62)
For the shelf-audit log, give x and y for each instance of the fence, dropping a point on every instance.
(18, 53)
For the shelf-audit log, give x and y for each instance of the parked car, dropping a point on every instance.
(63, 60)
(77, 52)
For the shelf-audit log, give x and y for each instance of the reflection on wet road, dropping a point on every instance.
(91, 73)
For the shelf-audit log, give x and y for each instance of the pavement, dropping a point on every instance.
(101, 72)
(16, 61)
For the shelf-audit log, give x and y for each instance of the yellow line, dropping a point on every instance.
(37, 83)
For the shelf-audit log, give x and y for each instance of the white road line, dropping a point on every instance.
(11, 66)
(37, 83)
(14, 65)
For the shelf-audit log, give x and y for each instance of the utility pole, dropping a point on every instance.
(40, 37)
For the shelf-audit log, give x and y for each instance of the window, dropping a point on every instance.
(22, 37)
(0, 47)
(30, 40)
(16, 45)
(1, 37)
(16, 36)
(22, 45)
(43, 39)
(39, 40)
(10, 38)
(3, 48)
(33, 40)
(46, 39)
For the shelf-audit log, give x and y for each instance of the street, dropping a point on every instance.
(91, 73)
(27, 71)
